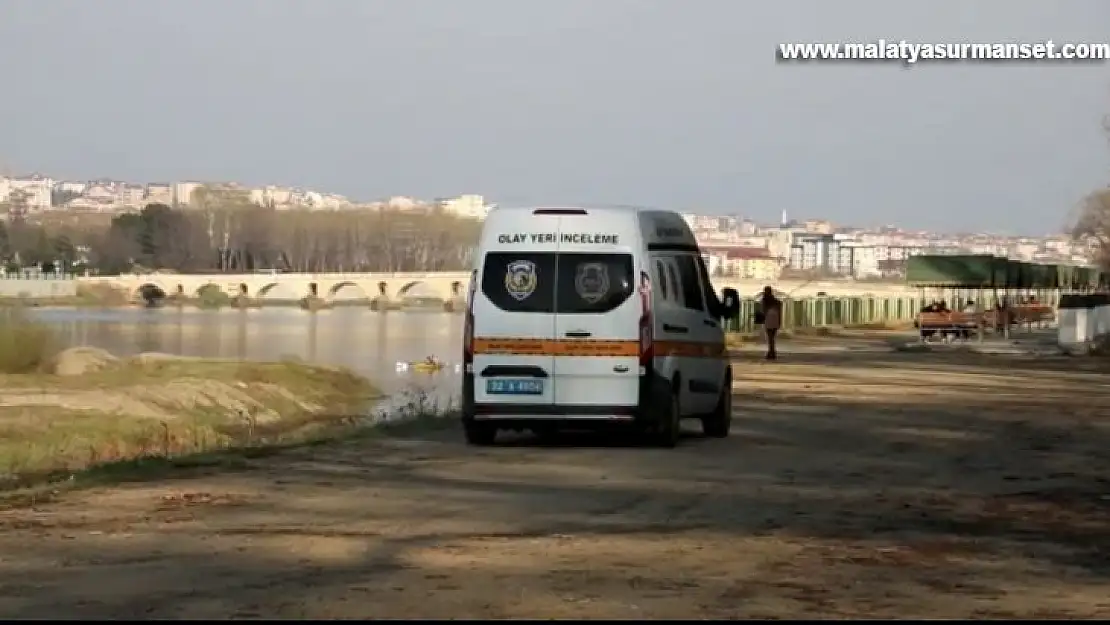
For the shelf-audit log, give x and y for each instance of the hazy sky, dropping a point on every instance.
(659, 102)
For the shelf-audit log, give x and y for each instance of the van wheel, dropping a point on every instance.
(478, 433)
(670, 426)
(718, 423)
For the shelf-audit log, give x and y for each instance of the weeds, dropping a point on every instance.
(210, 296)
(53, 450)
(25, 345)
(416, 409)
(100, 295)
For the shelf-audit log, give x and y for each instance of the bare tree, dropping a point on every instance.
(222, 231)
(1093, 224)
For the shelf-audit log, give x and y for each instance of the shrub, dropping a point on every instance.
(210, 296)
(26, 346)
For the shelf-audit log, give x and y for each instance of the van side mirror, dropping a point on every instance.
(730, 303)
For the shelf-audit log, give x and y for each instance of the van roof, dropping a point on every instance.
(585, 207)
(656, 225)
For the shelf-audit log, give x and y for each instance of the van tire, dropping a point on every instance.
(670, 423)
(718, 423)
(479, 434)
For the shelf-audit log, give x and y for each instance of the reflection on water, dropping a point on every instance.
(368, 342)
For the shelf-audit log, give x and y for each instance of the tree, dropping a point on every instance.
(5, 244)
(238, 236)
(1093, 224)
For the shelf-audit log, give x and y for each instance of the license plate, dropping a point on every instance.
(514, 387)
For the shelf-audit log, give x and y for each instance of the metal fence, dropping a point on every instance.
(816, 312)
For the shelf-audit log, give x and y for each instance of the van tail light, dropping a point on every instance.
(647, 325)
(468, 323)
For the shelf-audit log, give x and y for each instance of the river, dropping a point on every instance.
(362, 340)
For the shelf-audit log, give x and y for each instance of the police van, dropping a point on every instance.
(578, 317)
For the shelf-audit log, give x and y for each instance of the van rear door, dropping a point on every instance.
(596, 313)
(514, 322)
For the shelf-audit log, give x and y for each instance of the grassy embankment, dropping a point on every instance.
(82, 416)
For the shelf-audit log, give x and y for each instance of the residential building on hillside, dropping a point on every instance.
(748, 263)
(858, 260)
(467, 206)
(5, 188)
(183, 192)
(159, 193)
(131, 195)
(818, 226)
(71, 187)
(36, 190)
(814, 252)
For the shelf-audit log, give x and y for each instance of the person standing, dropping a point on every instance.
(771, 309)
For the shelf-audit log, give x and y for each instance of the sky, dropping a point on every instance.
(666, 103)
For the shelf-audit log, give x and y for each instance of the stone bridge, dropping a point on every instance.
(447, 286)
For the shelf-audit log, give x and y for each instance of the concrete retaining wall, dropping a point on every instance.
(1083, 320)
(34, 288)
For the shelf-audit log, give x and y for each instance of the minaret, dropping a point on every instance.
(784, 222)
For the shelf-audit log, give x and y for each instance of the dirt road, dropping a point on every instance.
(854, 484)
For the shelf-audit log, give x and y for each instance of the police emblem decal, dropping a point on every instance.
(591, 282)
(520, 279)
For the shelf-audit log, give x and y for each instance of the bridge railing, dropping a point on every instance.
(39, 276)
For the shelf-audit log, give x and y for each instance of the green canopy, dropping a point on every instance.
(975, 271)
(984, 271)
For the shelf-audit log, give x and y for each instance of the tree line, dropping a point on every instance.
(238, 238)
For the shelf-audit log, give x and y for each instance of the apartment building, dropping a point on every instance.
(71, 187)
(35, 190)
(815, 252)
(131, 196)
(183, 192)
(817, 226)
(709, 223)
(746, 263)
(467, 206)
(158, 193)
(858, 260)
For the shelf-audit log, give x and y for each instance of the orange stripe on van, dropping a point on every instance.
(588, 347)
(569, 347)
(690, 349)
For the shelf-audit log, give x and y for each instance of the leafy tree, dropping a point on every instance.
(5, 243)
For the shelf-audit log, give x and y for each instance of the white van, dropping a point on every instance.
(578, 317)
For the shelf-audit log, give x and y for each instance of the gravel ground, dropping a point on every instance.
(855, 484)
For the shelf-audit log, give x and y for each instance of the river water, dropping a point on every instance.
(362, 340)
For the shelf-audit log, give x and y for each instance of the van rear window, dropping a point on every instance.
(546, 282)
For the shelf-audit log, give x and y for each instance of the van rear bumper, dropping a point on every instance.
(549, 412)
(649, 411)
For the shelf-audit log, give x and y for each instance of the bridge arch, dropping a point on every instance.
(150, 292)
(352, 287)
(279, 291)
(266, 288)
(423, 288)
